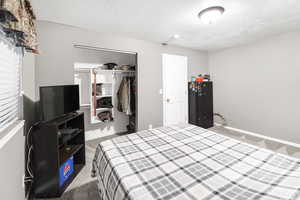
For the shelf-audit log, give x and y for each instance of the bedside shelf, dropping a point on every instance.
(77, 169)
(65, 154)
(64, 139)
(52, 151)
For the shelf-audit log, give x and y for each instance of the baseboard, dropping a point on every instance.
(261, 136)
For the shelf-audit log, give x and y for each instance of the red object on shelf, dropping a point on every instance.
(199, 79)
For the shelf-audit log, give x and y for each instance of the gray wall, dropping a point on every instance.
(55, 63)
(12, 168)
(29, 89)
(257, 87)
(28, 77)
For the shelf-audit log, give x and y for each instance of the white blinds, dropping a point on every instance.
(10, 58)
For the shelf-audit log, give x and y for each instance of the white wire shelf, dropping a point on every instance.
(103, 109)
(101, 96)
(115, 71)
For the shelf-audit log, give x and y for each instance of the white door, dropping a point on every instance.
(175, 89)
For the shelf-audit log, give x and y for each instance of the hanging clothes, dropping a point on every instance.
(132, 94)
(126, 96)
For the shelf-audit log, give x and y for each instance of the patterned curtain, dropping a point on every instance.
(17, 20)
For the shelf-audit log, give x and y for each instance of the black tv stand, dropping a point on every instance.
(53, 149)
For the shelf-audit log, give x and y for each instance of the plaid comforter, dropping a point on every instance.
(185, 162)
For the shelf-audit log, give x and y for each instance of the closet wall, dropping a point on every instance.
(100, 57)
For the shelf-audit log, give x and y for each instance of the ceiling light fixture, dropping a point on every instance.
(211, 15)
(176, 36)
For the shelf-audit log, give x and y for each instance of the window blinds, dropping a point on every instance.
(9, 83)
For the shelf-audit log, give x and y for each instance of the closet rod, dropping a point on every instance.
(102, 49)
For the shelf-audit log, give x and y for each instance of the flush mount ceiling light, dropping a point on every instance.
(211, 15)
(176, 36)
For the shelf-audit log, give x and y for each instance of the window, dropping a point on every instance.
(10, 62)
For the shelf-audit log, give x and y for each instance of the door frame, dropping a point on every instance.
(165, 86)
(137, 55)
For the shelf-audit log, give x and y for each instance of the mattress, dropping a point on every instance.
(185, 162)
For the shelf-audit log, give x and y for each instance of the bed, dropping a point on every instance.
(185, 162)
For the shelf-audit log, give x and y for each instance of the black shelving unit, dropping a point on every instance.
(201, 104)
(52, 149)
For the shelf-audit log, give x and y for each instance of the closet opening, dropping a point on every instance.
(108, 90)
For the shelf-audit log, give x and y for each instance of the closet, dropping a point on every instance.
(108, 89)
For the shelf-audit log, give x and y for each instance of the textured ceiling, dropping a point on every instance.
(244, 21)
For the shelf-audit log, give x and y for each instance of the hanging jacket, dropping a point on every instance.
(124, 96)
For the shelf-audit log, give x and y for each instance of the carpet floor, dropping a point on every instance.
(87, 191)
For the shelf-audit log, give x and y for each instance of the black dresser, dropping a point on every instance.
(201, 104)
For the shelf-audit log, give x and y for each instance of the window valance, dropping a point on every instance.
(17, 20)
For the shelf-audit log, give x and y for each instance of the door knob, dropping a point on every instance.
(168, 100)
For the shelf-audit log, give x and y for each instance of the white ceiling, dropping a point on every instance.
(244, 21)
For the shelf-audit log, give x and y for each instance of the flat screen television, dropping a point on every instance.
(56, 101)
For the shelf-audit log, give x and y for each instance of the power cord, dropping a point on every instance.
(29, 177)
(224, 123)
